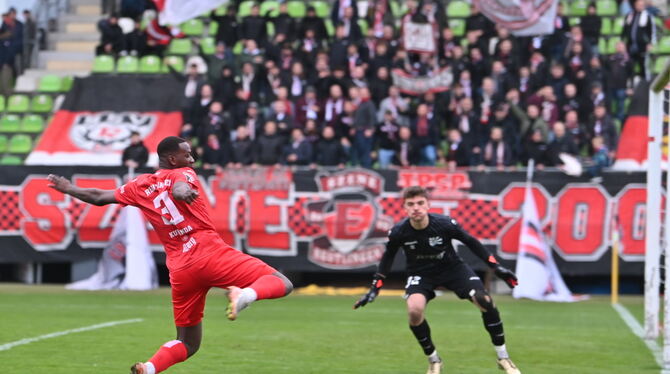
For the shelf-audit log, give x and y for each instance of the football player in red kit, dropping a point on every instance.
(197, 257)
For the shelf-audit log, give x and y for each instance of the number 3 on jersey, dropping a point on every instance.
(168, 208)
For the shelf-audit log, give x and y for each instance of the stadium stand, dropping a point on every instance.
(472, 35)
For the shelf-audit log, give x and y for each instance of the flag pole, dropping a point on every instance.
(529, 172)
(614, 294)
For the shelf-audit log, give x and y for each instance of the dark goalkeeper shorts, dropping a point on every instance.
(459, 278)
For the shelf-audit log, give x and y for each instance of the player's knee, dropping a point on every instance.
(415, 315)
(482, 300)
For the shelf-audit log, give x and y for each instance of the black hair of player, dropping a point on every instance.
(169, 146)
(414, 191)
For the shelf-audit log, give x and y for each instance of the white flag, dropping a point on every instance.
(521, 17)
(174, 12)
(538, 275)
(140, 265)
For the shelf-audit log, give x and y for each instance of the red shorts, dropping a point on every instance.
(226, 267)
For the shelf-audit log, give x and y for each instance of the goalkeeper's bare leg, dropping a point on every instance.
(494, 326)
(416, 306)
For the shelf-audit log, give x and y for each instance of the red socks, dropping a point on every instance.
(269, 287)
(172, 352)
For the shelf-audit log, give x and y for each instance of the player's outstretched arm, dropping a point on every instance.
(93, 196)
(377, 283)
(182, 191)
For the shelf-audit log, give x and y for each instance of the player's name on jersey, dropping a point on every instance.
(181, 231)
(155, 186)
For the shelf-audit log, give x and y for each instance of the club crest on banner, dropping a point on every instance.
(109, 130)
(353, 226)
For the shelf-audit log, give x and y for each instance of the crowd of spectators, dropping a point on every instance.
(16, 41)
(302, 97)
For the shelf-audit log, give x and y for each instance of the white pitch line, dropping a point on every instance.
(637, 329)
(10, 345)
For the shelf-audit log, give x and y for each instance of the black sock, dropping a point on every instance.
(422, 334)
(494, 326)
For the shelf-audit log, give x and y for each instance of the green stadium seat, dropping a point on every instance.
(269, 8)
(574, 21)
(659, 64)
(363, 24)
(20, 144)
(2, 103)
(150, 64)
(11, 160)
(602, 45)
(617, 27)
(18, 104)
(193, 27)
(10, 123)
(103, 64)
(42, 104)
(245, 9)
(606, 8)
(270, 28)
(605, 26)
(176, 62)
(66, 83)
(330, 29)
(662, 46)
(457, 25)
(399, 8)
(180, 47)
(127, 64)
(459, 9)
(3, 143)
(32, 123)
(49, 83)
(578, 8)
(213, 28)
(208, 45)
(237, 49)
(296, 9)
(322, 8)
(221, 10)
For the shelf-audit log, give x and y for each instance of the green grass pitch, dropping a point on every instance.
(313, 334)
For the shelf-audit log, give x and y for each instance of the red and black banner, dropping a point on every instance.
(94, 124)
(337, 220)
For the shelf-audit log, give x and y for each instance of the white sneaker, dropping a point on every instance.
(235, 302)
(507, 365)
(435, 367)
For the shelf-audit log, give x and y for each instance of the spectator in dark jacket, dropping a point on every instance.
(562, 142)
(242, 148)
(458, 153)
(590, 24)
(408, 152)
(313, 22)
(497, 153)
(298, 151)
(227, 30)
(269, 146)
(601, 124)
(328, 151)
(136, 154)
(214, 153)
(253, 26)
(364, 127)
(111, 36)
(135, 42)
(387, 139)
(619, 70)
(427, 133)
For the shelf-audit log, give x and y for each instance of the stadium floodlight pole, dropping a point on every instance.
(659, 86)
(652, 269)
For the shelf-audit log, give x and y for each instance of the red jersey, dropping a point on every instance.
(186, 231)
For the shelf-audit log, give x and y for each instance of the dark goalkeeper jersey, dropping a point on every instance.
(430, 250)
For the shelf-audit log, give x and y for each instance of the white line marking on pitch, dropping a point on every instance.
(637, 329)
(11, 345)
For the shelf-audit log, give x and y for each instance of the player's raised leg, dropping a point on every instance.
(173, 352)
(416, 305)
(494, 326)
(269, 286)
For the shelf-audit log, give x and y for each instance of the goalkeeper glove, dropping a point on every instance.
(369, 297)
(507, 275)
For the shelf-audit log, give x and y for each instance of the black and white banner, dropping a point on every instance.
(521, 17)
